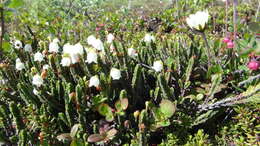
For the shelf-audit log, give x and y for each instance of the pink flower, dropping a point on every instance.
(253, 65)
(98, 28)
(226, 40)
(230, 44)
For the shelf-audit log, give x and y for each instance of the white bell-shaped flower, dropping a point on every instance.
(37, 80)
(35, 92)
(158, 66)
(19, 65)
(92, 57)
(79, 49)
(98, 44)
(110, 38)
(115, 74)
(45, 67)
(91, 39)
(94, 81)
(198, 20)
(131, 52)
(68, 48)
(38, 57)
(54, 47)
(149, 38)
(28, 48)
(75, 58)
(65, 61)
(56, 40)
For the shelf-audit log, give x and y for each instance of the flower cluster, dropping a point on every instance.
(229, 42)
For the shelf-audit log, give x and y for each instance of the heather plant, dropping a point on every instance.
(88, 76)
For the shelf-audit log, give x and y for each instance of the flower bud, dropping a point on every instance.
(136, 114)
(44, 74)
(33, 70)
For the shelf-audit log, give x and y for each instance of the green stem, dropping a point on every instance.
(209, 55)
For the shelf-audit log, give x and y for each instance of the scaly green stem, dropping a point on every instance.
(209, 55)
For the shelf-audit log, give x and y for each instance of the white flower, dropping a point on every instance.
(95, 43)
(18, 44)
(38, 57)
(75, 58)
(53, 47)
(46, 67)
(94, 81)
(37, 80)
(198, 20)
(47, 23)
(91, 57)
(131, 52)
(19, 65)
(115, 74)
(158, 66)
(68, 48)
(98, 44)
(149, 38)
(66, 61)
(79, 49)
(56, 40)
(110, 38)
(112, 48)
(73, 53)
(28, 48)
(91, 39)
(35, 92)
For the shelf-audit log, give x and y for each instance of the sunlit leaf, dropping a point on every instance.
(74, 130)
(167, 108)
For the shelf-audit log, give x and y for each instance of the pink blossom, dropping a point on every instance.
(226, 40)
(230, 44)
(253, 65)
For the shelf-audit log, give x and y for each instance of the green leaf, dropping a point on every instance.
(199, 97)
(216, 80)
(110, 117)
(254, 93)
(121, 104)
(74, 130)
(104, 109)
(167, 108)
(76, 142)
(254, 27)
(6, 46)
(118, 106)
(189, 70)
(204, 117)
(111, 133)
(124, 103)
(15, 3)
(163, 123)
